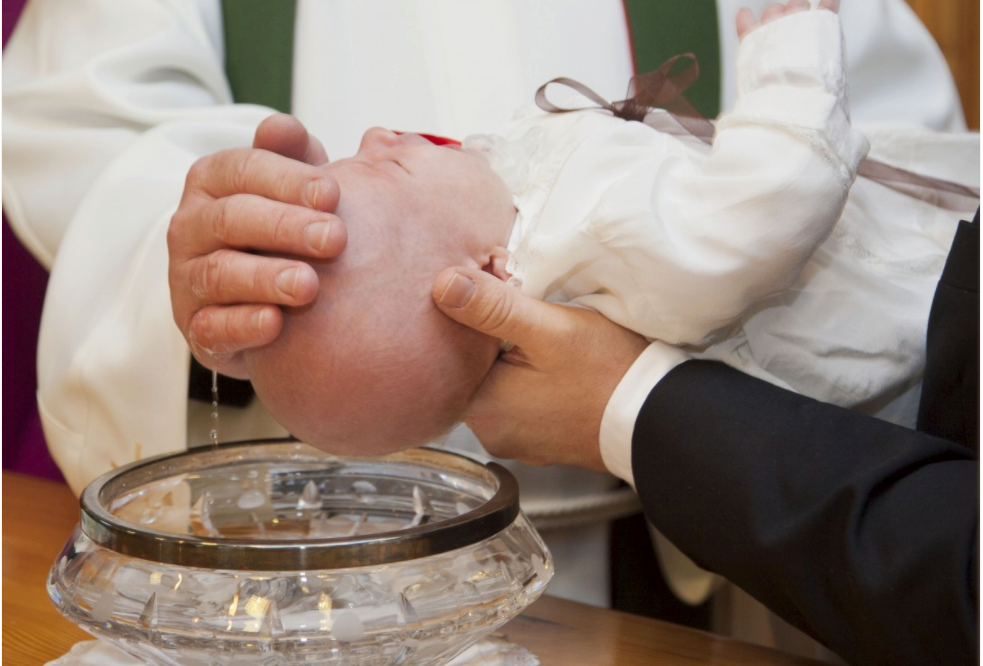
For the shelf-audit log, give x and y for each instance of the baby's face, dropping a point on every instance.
(372, 366)
(448, 188)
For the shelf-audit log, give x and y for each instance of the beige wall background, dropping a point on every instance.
(955, 24)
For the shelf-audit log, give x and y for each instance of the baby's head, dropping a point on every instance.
(372, 366)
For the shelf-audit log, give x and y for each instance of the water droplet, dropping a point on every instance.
(213, 434)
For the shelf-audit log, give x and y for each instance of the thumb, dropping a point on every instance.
(483, 302)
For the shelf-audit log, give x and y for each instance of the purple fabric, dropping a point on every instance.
(24, 281)
(11, 12)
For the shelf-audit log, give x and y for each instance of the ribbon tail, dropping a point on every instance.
(942, 193)
(679, 125)
(692, 120)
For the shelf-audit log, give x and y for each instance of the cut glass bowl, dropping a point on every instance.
(276, 553)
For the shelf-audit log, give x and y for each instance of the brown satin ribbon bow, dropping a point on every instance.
(659, 102)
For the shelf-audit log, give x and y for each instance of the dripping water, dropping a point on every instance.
(213, 433)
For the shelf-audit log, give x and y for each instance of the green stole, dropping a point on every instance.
(661, 29)
(259, 50)
(259, 43)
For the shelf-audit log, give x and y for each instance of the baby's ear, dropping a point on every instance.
(495, 263)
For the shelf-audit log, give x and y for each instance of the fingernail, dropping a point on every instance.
(312, 192)
(286, 281)
(458, 291)
(256, 321)
(318, 234)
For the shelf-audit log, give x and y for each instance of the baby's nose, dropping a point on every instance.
(377, 137)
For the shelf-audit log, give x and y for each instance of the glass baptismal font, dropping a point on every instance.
(277, 554)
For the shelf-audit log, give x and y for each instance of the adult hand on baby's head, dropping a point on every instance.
(746, 23)
(269, 198)
(543, 401)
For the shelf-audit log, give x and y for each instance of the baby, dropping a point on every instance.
(750, 252)
(372, 366)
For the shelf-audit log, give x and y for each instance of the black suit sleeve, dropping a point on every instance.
(950, 402)
(859, 532)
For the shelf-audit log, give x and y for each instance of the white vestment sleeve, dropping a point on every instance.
(106, 105)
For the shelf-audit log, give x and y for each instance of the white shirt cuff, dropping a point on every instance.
(618, 422)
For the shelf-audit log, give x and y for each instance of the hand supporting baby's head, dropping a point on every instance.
(372, 366)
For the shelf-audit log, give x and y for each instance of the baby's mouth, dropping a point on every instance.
(436, 140)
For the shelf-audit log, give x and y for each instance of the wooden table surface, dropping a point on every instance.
(39, 515)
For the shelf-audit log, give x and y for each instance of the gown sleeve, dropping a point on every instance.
(739, 225)
(676, 240)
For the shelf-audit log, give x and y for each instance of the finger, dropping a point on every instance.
(746, 22)
(231, 365)
(831, 5)
(772, 12)
(230, 277)
(485, 303)
(286, 135)
(218, 334)
(266, 174)
(251, 222)
(796, 6)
